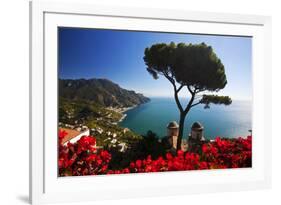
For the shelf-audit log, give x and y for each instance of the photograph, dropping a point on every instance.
(134, 101)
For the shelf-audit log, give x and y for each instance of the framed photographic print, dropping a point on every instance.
(129, 102)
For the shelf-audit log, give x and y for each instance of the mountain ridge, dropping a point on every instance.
(100, 90)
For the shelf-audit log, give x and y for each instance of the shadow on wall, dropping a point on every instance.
(24, 199)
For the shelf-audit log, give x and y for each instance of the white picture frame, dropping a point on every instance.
(46, 187)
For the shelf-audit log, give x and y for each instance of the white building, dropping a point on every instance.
(74, 135)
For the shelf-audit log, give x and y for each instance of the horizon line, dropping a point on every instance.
(143, 93)
(165, 96)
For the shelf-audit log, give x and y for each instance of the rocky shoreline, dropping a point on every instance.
(122, 111)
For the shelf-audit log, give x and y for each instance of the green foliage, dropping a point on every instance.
(159, 59)
(139, 149)
(215, 99)
(194, 65)
(152, 146)
(82, 111)
(95, 116)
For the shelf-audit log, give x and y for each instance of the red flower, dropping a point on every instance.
(180, 153)
(87, 143)
(105, 156)
(62, 134)
(61, 163)
(126, 170)
(138, 164)
(91, 158)
(169, 156)
(132, 165)
(82, 158)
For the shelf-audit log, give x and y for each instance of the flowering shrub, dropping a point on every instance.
(231, 153)
(82, 158)
(183, 161)
(220, 154)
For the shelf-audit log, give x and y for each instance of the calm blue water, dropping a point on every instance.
(220, 120)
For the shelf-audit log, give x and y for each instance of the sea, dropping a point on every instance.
(230, 121)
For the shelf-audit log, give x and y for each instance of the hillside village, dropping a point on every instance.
(88, 118)
(75, 132)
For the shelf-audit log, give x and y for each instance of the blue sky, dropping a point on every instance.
(118, 56)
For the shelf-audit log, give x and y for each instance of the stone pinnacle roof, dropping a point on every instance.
(173, 124)
(197, 125)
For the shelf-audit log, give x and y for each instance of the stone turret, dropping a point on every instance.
(172, 133)
(196, 137)
(173, 129)
(197, 131)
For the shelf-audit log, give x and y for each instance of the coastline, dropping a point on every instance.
(125, 109)
(122, 118)
(122, 111)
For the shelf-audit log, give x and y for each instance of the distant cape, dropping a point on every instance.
(101, 91)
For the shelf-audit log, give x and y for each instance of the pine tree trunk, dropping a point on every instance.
(181, 129)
